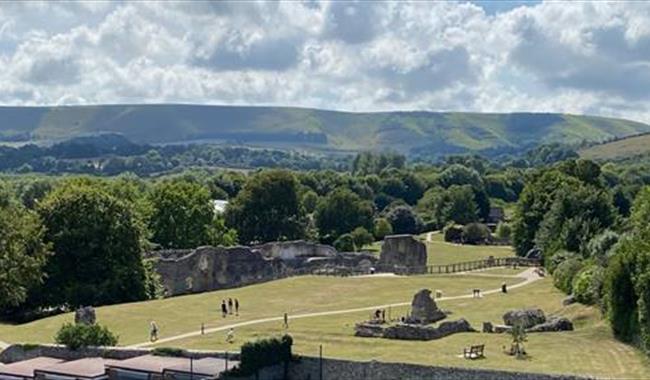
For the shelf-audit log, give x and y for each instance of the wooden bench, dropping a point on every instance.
(474, 352)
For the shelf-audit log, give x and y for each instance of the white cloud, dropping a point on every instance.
(582, 57)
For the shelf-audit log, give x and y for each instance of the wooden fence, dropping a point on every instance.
(428, 269)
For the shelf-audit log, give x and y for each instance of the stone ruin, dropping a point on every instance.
(424, 309)
(403, 254)
(416, 326)
(533, 320)
(186, 271)
(85, 316)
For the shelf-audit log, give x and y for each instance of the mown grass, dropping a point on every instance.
(589, 350)
(296, 295)
(440, 252)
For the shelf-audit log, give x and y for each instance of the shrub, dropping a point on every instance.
(404, 220)
(558, 258)
(75, 336)
(345, 243)
(565, 273)
(588, 283)
(600, 246)
(453, 233)
(167, 351)
(476, 233)
(263, 353)
(504, 231)
(361, 237)
(382, 228)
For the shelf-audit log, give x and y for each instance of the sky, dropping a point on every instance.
(485, 56)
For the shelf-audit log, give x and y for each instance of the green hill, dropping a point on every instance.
(619, 149)
(409, 132)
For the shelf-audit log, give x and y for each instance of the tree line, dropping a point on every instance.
(71, 241)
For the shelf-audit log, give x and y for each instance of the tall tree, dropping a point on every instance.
(341, 212)
(22, 254)
(96, 243)
(268, 208)
(182, 214)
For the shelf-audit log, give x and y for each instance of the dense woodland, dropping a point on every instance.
(79, 240)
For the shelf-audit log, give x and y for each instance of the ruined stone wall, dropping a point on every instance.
(291, 250)
(212, 268)
(308, 368)
(203, 269)
(403, 251)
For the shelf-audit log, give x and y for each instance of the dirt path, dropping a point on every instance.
(529, 275)
(3, 345)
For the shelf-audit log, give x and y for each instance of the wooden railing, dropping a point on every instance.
(428, 269)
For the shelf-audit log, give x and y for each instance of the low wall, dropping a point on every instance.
(19, 352)
(308, 368)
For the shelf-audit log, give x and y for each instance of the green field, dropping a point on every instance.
(441, 252)
(287, 127)
(295, 295)
(625, 148)
(590, 349)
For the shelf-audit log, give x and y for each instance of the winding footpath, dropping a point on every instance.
(528, 275)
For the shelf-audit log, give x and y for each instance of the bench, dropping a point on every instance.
(474, 352)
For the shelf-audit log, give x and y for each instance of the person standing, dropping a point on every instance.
(504, 288)
(230, 336)
(224, 309)
(229, 305)
(153, 331)
(286, 321)
(236, 307)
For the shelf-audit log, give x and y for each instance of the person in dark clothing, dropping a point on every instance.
(504, 288)
(229, 305)
(236, 306)
(224, 309)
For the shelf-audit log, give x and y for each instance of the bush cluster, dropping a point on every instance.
(76, 336)
(263, 353)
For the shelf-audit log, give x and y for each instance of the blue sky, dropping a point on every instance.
(486, 56)
(493, 7)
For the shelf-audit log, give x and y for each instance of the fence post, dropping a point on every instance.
(320, 363)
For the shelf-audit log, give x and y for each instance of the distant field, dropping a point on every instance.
(407, 132)
(589, 350)
(440, 252)
(628, 147)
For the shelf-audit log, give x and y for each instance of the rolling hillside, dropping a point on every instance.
(408, 132)
(619, 149)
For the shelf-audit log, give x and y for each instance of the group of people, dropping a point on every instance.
(229, 307)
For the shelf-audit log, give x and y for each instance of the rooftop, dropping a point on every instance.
(26, 368)
(206, 366)
(149, 363)
(83, 368)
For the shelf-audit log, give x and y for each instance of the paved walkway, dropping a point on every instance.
(529, 275)
(3, 345)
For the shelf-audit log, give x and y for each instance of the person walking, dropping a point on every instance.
(286, 321)
(229, 305)
(504, 288)
(153, 331)
(236, 307)
(224, 309)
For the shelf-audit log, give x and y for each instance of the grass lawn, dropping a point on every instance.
(441, 252)
(590, 349)
(295, 295)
